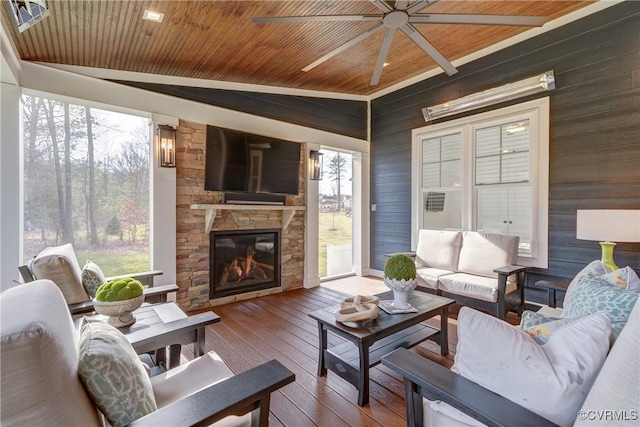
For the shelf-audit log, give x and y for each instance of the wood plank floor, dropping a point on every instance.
(277, 326)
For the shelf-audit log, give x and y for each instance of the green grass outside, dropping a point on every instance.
(116, 263)
(335, 229)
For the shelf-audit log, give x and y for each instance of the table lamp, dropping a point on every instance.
(608, 226)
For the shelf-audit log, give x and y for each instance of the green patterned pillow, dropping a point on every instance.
(540, 327)
(92, 278)
(592, 294)
(113, 375)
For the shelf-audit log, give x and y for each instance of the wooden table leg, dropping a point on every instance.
(444, 331)
(363, 378)
(552, 298)
(198, 346)
(322, 345)
(174, 355)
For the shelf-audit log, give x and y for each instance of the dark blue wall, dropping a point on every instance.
(594, 135)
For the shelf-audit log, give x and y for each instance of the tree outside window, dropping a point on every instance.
(86, 182)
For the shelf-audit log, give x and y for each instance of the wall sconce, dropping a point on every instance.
(315, 165)
(166, 136)
(536, 84)
(608, 226)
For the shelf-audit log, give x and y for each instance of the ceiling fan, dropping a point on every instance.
(401, 16)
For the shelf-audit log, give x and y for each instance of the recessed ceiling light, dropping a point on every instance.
(150, 15)
(386, 64)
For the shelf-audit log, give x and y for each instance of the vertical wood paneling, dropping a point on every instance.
(594, 132)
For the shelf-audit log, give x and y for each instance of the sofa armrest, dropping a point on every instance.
(236, 395)
(158, 294)
(145, 277)
(83, 307)
(508, 270)
(424, 378)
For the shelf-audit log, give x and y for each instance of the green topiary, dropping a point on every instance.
(119, 290)
(400, 267)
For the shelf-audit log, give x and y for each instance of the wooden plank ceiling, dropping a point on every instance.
(217, 40)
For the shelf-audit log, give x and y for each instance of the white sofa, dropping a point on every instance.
(613, 398)
(476, 269)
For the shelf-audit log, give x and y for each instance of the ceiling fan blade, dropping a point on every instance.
(342, 47)
(382, 56)
(382, 5)
(458, 18)
(401, 4)
(430, 50)
(316, 18)
(416, 7)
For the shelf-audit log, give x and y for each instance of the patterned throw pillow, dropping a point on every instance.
(92, 277)
(625, 278)
(592, 294)
(540, 327)
(113, 374)
(594, 269)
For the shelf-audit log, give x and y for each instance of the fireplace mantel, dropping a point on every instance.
(211, 210)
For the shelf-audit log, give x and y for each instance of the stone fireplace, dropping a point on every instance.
(243, 261)
(193, 227)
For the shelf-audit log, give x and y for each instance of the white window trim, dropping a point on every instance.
(538, 112)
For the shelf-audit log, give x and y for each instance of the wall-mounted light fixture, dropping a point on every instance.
(536, 84)
(315, 165)
(166, 141)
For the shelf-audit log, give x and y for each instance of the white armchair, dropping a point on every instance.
(60, 265)
(42, 357)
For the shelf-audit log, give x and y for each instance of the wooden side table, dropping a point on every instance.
(160, 325)
(552, 287)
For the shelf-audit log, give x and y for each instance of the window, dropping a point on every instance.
(86, 182)
(487, 172)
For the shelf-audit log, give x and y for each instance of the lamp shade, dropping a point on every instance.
(612, 225)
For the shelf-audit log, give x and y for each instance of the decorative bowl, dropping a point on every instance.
(119, 312)
(401, 290)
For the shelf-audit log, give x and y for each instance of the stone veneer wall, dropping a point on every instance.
(192, 243)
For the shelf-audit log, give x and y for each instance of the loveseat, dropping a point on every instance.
(580, 369)
(476, 269)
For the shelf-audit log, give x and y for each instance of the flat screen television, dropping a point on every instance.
(240, 161)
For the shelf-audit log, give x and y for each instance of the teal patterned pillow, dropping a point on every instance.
(592, 294)
(92, 278)
(540, 327)
(113, 375)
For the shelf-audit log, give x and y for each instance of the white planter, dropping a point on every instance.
(401, 291)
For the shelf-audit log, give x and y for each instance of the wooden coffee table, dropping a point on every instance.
(371, 340)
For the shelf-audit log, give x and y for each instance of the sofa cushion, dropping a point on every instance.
(39, 353)
(438, 249)
(113, 374)
(591, 294)
(481, 253)
(618, 384)
(594, 269)
(478, 287)
(59, 264)
(428, 277)
(551, 380)
(188, 378)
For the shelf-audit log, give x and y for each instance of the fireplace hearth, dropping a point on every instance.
(244, 261)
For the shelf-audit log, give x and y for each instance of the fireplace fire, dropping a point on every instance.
(244, 261)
